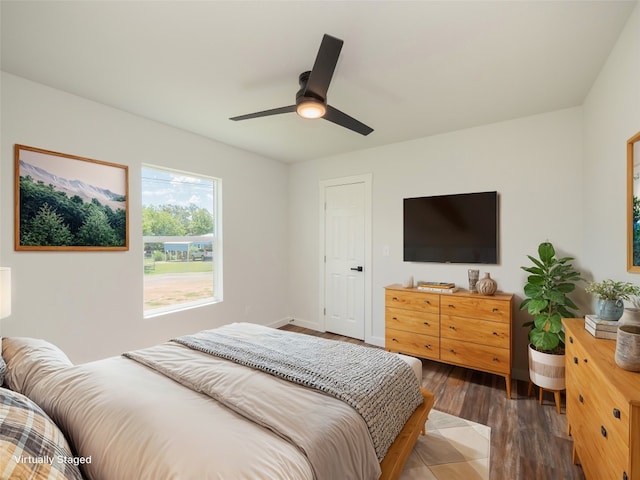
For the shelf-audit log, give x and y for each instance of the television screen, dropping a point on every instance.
(461, 228)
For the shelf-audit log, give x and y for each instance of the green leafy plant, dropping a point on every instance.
(612, 290)
(548, 284)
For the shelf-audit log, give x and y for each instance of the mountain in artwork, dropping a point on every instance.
(73, 187)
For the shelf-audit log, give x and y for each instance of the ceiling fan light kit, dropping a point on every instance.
(311, 99)
(311, 108)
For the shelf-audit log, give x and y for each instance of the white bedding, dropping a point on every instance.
(136, 424)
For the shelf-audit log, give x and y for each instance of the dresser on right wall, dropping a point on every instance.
(603, 407)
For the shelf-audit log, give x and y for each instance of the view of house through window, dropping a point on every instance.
(181, 264)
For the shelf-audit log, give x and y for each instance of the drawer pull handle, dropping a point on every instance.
(394, 340)
(570, 339)
(395, 299)
(581, 398)
(428, 346)
(603, 431)
(452, 350)
(395, 318)
(452, 306)
(495, 310)
(616, 413)
(427, 302)
(495, 359)
(452, 327)
(575, 360)
(427, 324)
(495, 333)
(586, 360)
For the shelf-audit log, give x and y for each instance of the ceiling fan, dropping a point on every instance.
(311, 99)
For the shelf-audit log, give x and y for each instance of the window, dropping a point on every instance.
(182, 264)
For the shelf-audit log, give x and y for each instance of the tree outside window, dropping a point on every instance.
(182, 257)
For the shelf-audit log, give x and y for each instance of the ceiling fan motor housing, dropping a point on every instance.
(308, 103)
(303, 92)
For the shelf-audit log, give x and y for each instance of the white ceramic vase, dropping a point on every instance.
(630, 316)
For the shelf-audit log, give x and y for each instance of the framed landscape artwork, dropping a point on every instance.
(66, 202)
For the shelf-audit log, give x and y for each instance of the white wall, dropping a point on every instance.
(90, 303)
(560, 175)
(611, 117)
(534, 163)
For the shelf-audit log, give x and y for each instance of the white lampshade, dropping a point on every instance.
(5, 292)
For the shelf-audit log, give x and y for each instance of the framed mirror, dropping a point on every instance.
(633, 204)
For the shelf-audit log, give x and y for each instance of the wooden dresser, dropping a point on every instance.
(603, 407)
(460, 328)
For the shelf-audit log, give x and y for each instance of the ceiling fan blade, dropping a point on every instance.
(266, 113)
(340, 118)
(324, 66)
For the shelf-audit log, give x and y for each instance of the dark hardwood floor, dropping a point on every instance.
(528, 441)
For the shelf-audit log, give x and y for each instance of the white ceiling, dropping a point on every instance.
(407, 69)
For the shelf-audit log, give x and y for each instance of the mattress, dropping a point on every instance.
(415, 364)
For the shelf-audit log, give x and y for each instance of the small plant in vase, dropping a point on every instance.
(610, 296)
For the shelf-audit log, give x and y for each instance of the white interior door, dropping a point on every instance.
(344, 240)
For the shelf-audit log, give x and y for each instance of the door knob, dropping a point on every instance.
(358, 268)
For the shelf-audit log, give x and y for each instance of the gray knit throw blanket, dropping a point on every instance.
(379, 385)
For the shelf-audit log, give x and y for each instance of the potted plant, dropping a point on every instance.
(610, 296)
(549, 282)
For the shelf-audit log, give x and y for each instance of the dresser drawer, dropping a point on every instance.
(483, 332)
(412, 321)
(591, 386)
(575, 412)
(612, 416)
(612, 459)
(577, 368)
(477, 307)
(587, 414)
(424, 346)
(424, 302)
(574, 349)
(596, 463)
(481, 357)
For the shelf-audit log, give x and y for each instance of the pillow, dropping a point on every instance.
(30, 360)
(3, 368)
(31, 445)
(3, 365)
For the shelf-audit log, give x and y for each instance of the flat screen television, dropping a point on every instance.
(460, 228)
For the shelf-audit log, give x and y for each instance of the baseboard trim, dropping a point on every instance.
(296, 321)
(306, 324)
(280, 323)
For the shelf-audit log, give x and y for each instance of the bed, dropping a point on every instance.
(180, 411)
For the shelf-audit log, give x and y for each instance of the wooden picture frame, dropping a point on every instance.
(65, 202)
(633, 204)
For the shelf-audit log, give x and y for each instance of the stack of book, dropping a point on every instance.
(438, 287)
(601, 328)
